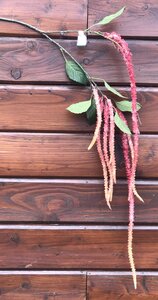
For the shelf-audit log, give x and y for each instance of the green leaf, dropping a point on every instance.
(91, 113)
(110, 18)
(126, 105)
(112, 90)
(80, 107)
(75, 73)
(121, 124)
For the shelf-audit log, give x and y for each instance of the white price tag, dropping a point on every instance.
(82, 39)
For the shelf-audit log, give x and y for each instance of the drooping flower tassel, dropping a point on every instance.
(105, 170)
(105, 145)
(125, 147)
(106, 133)
(112, 163)
(112, 141)
(97, 138)
(128, 151)
(130, 237)
(108, 145)
(99, 117)
(123, 48)
(131, 206)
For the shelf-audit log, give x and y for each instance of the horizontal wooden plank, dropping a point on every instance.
(73, 201)
(117, 285)
(19, 285)
(43, 108)
(60, 155)
(76, 247)
(36, 60)
(139, 18)
(42, 287)
(46, 15)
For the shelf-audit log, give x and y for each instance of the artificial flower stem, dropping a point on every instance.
(47, 37)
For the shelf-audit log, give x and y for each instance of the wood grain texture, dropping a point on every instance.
(46, 172)
(43, 108)
(73, 201)
(42, 287)
(60, 155)
(139, 18)
(82, 248)
(36, 60)
(47, 15)
(120, 286)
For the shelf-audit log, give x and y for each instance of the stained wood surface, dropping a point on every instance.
(43, 108)
(51, 15)
(80, 248)
(120, 286)
(60, 155)
(139, 18)
(73, 201)
(71, 285)
(51, 191)
(36, 60)
(46, 15)
(42, 287)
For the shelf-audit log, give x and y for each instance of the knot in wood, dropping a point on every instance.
(26, 285)
(15, 238)
(86, 61)
(16, 73)
(31, 45)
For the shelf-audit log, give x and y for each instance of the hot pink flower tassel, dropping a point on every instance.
(122, 46)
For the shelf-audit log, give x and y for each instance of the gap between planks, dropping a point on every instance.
(75, 227)
(89, 273)
(85, 181)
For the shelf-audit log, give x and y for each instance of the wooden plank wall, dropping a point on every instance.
(58, 240)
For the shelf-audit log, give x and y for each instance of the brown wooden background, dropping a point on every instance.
(58, 240)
